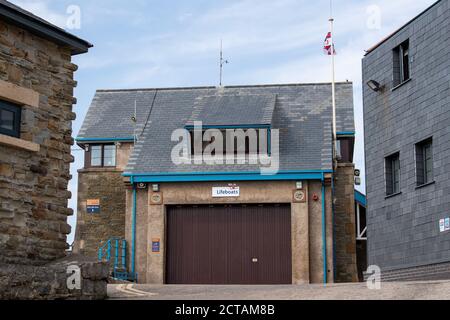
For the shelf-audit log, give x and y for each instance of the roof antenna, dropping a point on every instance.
(134, 120)
(222, 62)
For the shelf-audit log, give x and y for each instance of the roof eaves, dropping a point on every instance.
(370, 50)
(226, 87)
(36, 25)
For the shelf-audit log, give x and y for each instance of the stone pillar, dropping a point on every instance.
(300, 243)
(156, 230)
(344, 224)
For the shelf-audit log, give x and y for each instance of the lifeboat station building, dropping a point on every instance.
(166, 208)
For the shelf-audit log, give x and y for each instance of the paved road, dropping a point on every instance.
(436, 290)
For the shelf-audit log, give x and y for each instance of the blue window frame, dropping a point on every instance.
(10, 118)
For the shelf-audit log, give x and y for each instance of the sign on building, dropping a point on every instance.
(93, 206)
(156, 245)
(226, 192)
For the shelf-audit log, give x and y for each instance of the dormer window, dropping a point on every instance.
(236, 141)
(101, 155)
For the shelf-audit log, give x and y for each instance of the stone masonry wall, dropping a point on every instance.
(344, 224)
(94, 229)
(49, 282)
(33, 185)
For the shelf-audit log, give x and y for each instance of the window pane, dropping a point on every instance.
(405, 62)
(7, 120)
(110, 156)
(96, 156)
(396, 174)
(428, 162)
(393, 174)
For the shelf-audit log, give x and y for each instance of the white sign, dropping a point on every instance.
(447, 224)
(442, 225)
(226, 192)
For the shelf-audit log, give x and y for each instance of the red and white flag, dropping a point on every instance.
(328, 48)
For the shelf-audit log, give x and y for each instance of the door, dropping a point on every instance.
(245, 244)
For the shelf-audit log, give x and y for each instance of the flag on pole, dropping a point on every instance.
(328, 48)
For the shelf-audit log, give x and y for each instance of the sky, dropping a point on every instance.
(155, 43)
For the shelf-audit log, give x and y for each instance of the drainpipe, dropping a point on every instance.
(133, 232)
(324, 234)
(333, 210)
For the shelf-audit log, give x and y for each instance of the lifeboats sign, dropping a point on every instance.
(226, 192)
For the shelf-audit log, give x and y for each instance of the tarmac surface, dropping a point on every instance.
(430, 290)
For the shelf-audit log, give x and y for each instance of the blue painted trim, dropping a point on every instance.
(360, 198)
(206, 178)
(244, 176)
(324, 234)
(133, 232)
(242, 126)
(348, 133)
(131, 139)
(128, 174)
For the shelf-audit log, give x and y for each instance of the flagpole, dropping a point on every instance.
(333, 92)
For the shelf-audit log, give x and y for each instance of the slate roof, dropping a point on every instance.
(230, 109)
(25, 19)
(302, 113)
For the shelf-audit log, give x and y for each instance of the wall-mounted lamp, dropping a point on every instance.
(299, 185)
(375, 86)
(155, 187)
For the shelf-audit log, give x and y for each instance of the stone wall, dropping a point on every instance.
(34, 181)
(345, 225)
(94, 229)
(25, 282)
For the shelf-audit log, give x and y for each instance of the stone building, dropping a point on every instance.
(407, 121)
(36, 99)
(187, 222)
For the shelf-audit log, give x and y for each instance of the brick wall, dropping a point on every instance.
(33, 185)
(344, 224)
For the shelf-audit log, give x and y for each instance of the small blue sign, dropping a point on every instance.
(93, 206)
(93, 209)
(156, 245)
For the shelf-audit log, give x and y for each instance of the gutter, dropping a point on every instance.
(42, 28)
(133, 232)
(130, 139)
(225, 176)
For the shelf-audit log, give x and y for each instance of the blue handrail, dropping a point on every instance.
(120, 250)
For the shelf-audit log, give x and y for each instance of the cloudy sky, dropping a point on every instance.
(155, 43)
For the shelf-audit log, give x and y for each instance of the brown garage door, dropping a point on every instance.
(229, 245)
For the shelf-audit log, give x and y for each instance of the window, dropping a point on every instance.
(393, 174)
(401, 63)
(246, 141)
(424, 162)
(102, 155)
(10, 117)
(345, 149)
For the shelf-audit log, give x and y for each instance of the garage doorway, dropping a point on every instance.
(233, 244)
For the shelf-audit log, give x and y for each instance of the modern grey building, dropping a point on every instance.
(407, 136)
